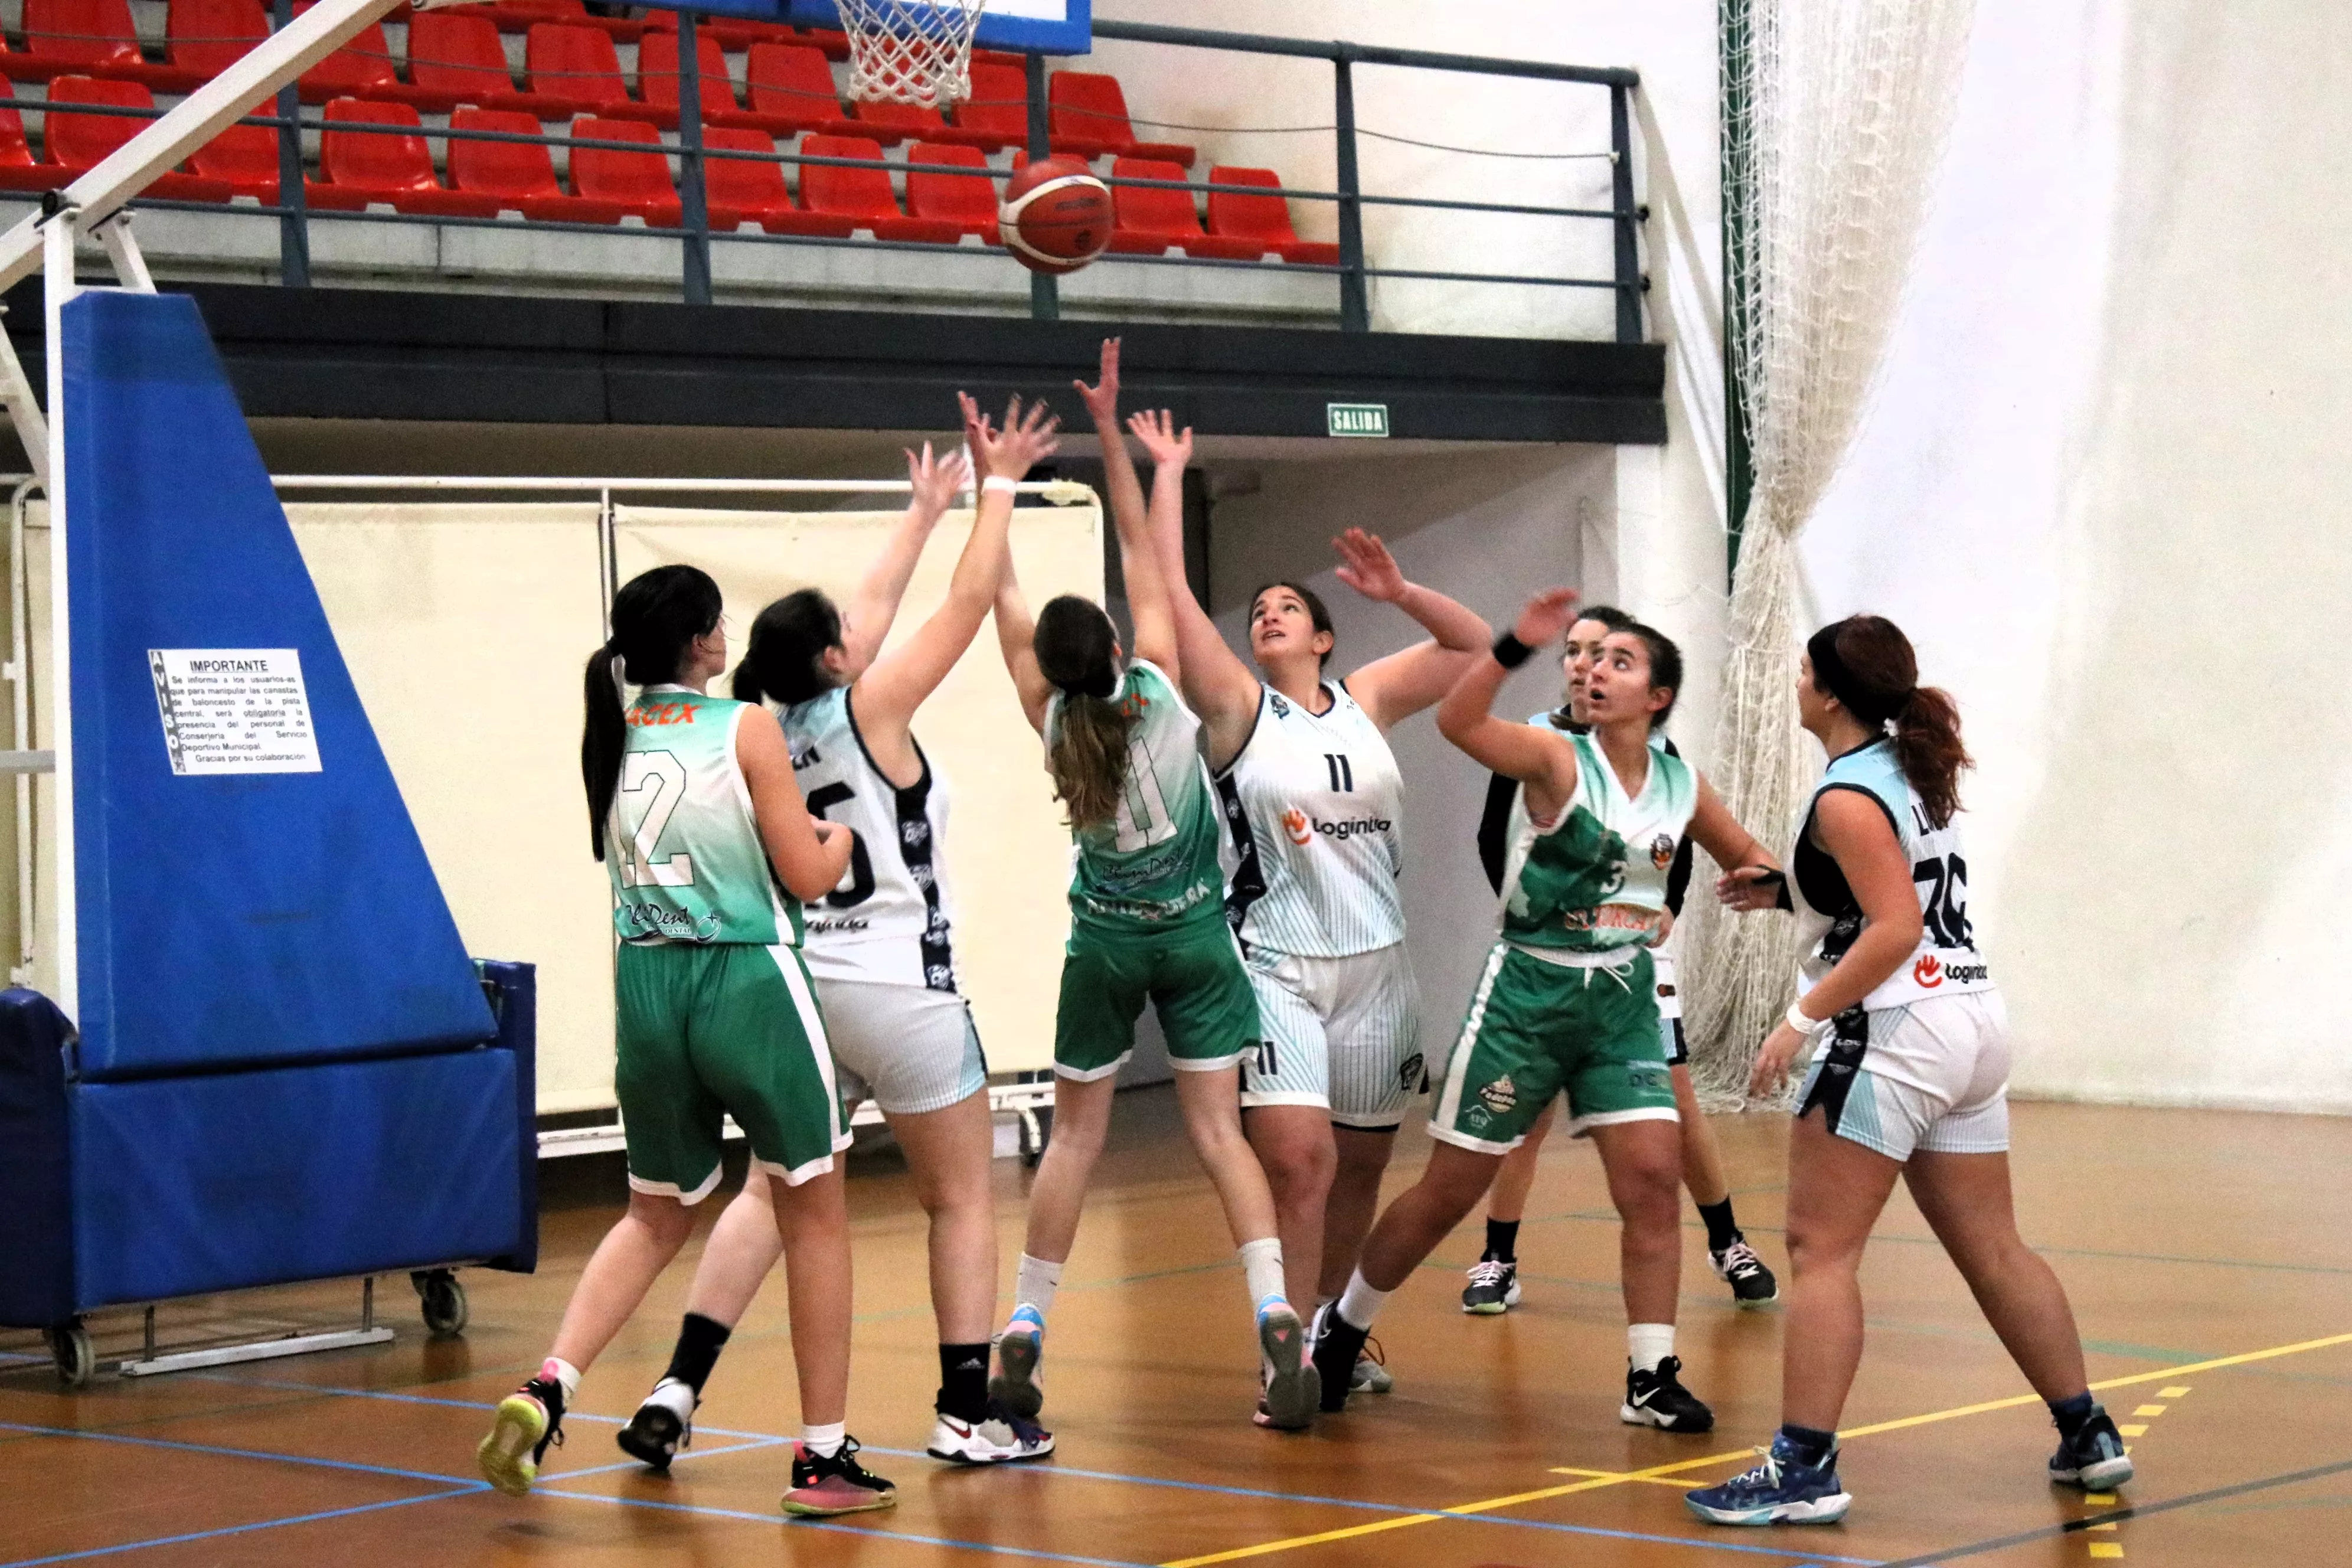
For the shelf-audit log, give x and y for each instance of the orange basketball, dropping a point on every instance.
(1055, 217)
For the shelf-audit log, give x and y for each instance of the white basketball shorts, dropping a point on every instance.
(1930, 1075)
(908, 1048)
(1341, 1034)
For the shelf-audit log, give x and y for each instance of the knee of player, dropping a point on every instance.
(667, 1220)
(1296, 1163)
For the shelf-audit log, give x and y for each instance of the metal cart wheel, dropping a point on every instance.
(76, 1358)
(444, 1301)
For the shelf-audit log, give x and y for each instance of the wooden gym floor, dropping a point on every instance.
(2205, 1254)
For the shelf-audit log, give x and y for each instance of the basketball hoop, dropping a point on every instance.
(910, 51)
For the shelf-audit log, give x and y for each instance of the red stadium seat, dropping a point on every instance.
(245, 158)
(997, 113)
(639, 183)
(459, 60)
(1266, 219)
(94, 37)
(740, 191)
(370, 166)
(891, 123)
(1147, 222)
(864, 194)
(361, 69)
(577, 65)
(520, 175)
(522, 16)
(791, 90)
(732, 32)
(968, 201)
(659, 73)
(79, 143)
(206, 37)
(19, 172)
(1087, 115)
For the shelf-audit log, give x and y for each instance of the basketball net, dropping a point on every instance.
(1834, 117)
(910, 51)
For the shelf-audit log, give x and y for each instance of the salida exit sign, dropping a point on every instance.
(1358, 419)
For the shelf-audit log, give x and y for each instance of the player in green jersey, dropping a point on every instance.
(1568, 999)
(693, 808)
(1146, 922)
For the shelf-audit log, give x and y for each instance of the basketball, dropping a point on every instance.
(1055, 217)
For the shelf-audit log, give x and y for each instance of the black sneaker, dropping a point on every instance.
(1494, 1285)
(657, 1432)
(824, 1485)
(2094, 1458)
(528, 1421)
(1659, 1399)
(1336, 1343)
(1751, 1283)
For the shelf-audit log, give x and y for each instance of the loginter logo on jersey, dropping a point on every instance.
(1931, 972)
(1662, 851)
(1302, 827)
(1295, 823)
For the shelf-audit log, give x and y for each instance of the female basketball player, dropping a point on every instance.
(881, 944)
(1914, 1081)
(1568, 1000)
(692, 808)
(1146, 921)
(1315, 809)
(1493, 1284)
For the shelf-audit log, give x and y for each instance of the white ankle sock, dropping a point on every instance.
(674, 1395)
(564, 1374)
(1647, 1345)
(1262, 1267)
(1034, 1283)
(1360, 1304)
(824, 1441)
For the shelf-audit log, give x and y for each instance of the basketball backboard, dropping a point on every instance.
(1044, 26)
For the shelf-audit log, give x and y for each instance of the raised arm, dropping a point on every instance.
(1719, 833)
(1219, 686)
(1542, 759)
(895, 684)
(1148, 591)
(1403, 684)
(809, 855)
(876, 604)
(1016, 634)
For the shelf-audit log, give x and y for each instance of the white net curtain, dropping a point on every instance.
(1834, 115)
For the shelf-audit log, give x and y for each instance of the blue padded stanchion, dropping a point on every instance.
(35, 1177)
(229, 919)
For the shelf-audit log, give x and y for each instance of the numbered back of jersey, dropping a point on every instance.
(683, 848)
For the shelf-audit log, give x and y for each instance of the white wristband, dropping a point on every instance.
(997, 484)
(1811, 1029)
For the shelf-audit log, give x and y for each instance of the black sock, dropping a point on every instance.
(1503, 1239)
(1722, 1230)
(963, 1381)
(1812, 1445)
(698, 1341)
(2074, 1415)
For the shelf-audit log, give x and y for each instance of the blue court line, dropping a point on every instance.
(217, 1449)
(244, 1529)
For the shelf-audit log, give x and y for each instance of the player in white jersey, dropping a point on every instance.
(1910, 1078)
(1314, 817)
(880, 944)
(1494, 1283)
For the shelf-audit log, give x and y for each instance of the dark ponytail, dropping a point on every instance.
(1086, 751)
(655, 615)
(783, 657)
(1868, 665)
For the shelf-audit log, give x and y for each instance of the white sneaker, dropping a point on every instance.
(1369, 1376)
(997, 1438)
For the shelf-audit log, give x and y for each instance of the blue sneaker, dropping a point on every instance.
(2094, 1458)
(1779, 1491)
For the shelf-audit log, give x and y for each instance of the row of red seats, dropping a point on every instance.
(453, 57)
(487, 177)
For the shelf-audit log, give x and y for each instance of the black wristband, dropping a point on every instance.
(1510, 652)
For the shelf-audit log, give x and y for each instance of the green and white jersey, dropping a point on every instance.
(1155, 865)
(1593, 880)
(681, 845)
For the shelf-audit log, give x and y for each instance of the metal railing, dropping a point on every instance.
(1353, 268)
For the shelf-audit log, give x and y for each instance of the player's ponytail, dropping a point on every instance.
(655, 617)
(1868, 665)
(784, 658)
(1086, 747)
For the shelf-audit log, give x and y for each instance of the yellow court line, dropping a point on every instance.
(1623, 1476)
(1609, 1479)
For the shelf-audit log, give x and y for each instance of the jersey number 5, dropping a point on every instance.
(861, 865)
(658, 780)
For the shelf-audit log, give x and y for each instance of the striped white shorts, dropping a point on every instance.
(1341, 1034)
(1930, 1075)
(908, 1048)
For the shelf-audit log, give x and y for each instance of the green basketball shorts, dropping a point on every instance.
(1535, 1028)
(711, 1031)
(1192, 975)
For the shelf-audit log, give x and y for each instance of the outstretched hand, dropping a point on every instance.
(1783, 1049)
(1102, 398)
(1025, 440)
(1747, 888)
(1365, 565)
(937, 479)
(1157, 430)
(1547, 616)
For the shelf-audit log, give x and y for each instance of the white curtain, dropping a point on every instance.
(1835, 116)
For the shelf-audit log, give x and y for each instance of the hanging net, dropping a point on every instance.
(908, 51)
(1834, 113)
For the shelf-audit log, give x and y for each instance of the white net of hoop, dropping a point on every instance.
(908, 51)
